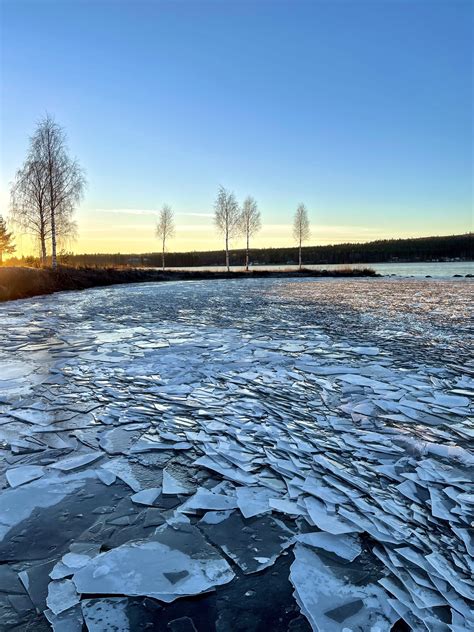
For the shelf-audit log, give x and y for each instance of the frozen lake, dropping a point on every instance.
(239, 455)
(446, 269)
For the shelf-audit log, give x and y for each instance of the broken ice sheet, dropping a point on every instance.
(146, 496)
(253, 394)
(229, 472)
(14, 370)
(174, 563)
(330, 603)
(204, 499)
(36, 580)
(214, 517)
(106, 615)
(463, 585)
(288, 507)
(70, 620)
(62, 595)
(106, 476)
(149, 443)
(332, 523)
(118, 440)
(18, 503)
(133, 474)
(253, 501)
(76, 462)
(174, 486)
(74, 561)
(24, 474)
(345, 546)
(254, 544)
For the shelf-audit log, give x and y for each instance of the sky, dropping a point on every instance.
(362, 110)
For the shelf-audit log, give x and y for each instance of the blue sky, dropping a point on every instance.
(361, 110)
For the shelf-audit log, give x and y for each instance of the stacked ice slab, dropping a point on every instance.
(166, 453)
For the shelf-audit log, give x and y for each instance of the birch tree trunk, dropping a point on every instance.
(301, 229)
(47, 188)
(165, 230)
(227, 251)
(54, 261)
(250, 223)
(227, 219)
(247, 253)
(43, 243)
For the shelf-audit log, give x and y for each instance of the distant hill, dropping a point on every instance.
(454, 247)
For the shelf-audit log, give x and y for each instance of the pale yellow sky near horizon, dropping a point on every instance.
(132, 231)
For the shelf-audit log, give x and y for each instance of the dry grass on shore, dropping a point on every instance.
(23, 282)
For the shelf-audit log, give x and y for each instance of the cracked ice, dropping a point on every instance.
(161, 442)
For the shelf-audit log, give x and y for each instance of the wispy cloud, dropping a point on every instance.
(121, 230)
(128, 211)
(195, 214)
(335, 229)
(146, 212)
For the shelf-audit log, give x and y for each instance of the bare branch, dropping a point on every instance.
(301, 230)
(250, 223)
(47, 188)
(165, 228)
(227, 218)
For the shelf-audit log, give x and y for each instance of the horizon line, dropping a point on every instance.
(345, 243)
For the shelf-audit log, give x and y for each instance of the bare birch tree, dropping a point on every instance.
(227, 218)
(65, 177)
(165, 229)
(250, 223)
(46, 189)
(28, 209)
(301, 230)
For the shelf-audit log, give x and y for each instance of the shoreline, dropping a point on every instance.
(23, 282)
(18, 282)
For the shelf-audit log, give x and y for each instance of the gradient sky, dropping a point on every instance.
(361, 110)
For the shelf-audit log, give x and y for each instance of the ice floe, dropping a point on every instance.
(174, 563)
(20, 475)
(331, 603)
(218, 431)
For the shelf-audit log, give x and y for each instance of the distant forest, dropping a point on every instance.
(455, 247)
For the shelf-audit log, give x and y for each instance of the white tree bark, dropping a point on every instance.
(250, 223)
(227, 219)
(47, 188)
(301, 231)
(165, 229)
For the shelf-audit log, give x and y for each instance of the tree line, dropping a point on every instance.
(380, 251)
(50, 184)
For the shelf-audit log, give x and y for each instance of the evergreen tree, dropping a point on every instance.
(6, 240)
